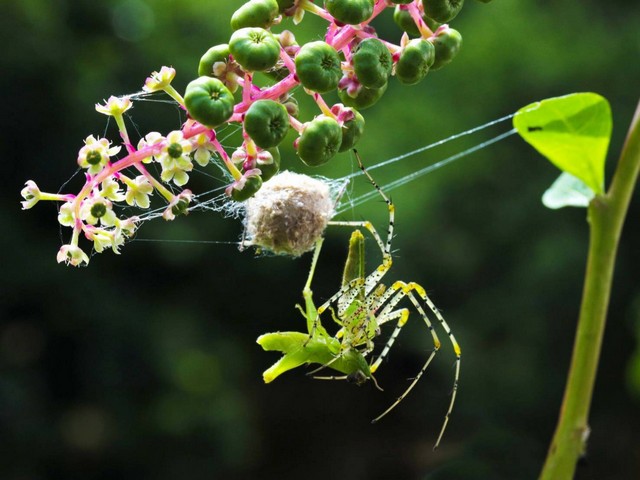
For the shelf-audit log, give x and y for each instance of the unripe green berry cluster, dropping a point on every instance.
(351, 60)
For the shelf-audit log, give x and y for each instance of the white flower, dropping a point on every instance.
(66, 215)
(151, 138)
(31, 195)
(138, 192)
(72, 255)
(127, 227)
(174, 159)
(102, 239)
(178, 206)
(95, 154)
(159, 80)
(203, 149)
(114, 106)
(111, 190)
(98, 209)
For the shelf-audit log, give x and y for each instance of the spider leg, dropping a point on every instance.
(331, 377)
(322, 367)
(373, 279)
(400, 290)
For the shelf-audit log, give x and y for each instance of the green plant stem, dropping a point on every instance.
(606, 217)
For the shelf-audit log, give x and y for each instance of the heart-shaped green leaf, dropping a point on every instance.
(573, 132)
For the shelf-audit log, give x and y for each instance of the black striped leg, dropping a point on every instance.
(410, 290)
(373, 278)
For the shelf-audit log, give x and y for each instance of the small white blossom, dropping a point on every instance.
(128, 226)
(178, 206)
(72, 255)
(95, 154)
(203, 149)
(66, 216)
(102, 239)
(159, 80)
(98, 210)
(111, 190)
(138, 192)
(31, 195)
(174, 159)
(151, 138)
(115, 106)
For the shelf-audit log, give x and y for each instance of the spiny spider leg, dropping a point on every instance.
(400, 290)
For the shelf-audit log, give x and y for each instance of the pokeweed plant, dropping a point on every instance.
(351, 59)
(573, 133)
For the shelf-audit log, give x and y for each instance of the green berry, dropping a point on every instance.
(255, 49)
(320, 141)
(352, 130)
(219, 53)
(447, 45)
(251, 186)
(98, 210)
(414, 62)
(255, 13)
(442, 11)
(404, 20)
(269, 164)
(352, 12)
(175, 150)
(372, 63)
(267, 123)
(318, 66)
(208, 101)
(94, 157)
(365, 98)
(181, 208)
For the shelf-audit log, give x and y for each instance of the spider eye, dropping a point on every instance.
(358, 377)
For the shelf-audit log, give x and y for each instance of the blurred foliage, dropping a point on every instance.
(144, 365)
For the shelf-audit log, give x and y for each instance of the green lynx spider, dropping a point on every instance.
(362, 306)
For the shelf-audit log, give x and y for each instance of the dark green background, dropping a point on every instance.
(144, 365)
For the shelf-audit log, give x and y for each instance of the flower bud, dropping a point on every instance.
(31, 195)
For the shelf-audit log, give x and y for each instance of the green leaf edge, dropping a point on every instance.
(522, 129)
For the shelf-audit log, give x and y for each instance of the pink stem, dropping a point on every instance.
(377, 10)
(271, 93)
(343, 37)
(296, 124)
(392, 47)
(246, 88)
(425, 31)
(288, 61)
